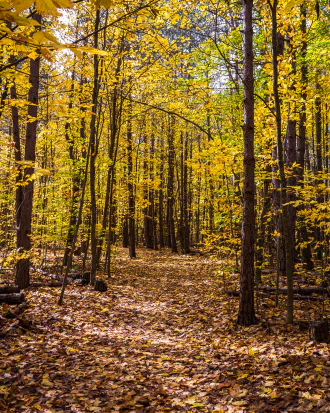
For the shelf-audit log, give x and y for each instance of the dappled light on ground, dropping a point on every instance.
(163, 338)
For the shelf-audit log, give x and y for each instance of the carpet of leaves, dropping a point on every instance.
(163, 338)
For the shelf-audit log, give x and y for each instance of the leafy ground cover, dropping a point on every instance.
(163, 338)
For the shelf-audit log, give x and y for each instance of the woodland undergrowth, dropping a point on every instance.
(163, 338)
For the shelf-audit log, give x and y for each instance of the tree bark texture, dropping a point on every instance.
(170, 189)
(24, 214)
(246, 312)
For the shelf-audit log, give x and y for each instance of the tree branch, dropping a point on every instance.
(170, 112)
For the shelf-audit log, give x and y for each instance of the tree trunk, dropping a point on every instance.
(260, 244)
(306, 252)
(319, 166)
(130, 186)
(148, 199)
(185, 213)
(161, 196)
(75, 182)
(93, 146)
(170, 188)
(246, 312)
(24, 229)
(280, 159)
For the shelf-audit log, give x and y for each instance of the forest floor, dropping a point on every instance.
(163, 338)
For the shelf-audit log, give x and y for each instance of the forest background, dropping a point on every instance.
(122, 122)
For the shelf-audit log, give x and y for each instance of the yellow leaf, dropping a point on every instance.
(251, 352)
(38, 37)
(191, 400)
(63, 4)
(21, 5)
(292, 3)
(239, 403)
(43, 172)
(33, 55)
(92, 50)
(46, 7)
(106, 3)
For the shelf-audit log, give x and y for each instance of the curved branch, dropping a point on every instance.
(170, 112)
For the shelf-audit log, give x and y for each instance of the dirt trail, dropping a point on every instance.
(161, 339)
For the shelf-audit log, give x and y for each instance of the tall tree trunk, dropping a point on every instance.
(199, 189)
(18, 157)
(185, 211)
(161, 195)
(147, 211)
(75, 180)
(280, 159)
(93, 146)
(211, 187)
(319, 166)
(24, 229)
(246, 312)
(116, 112)
(260, 243)
(291, 159)
(130, 186)
(170, 188)
(306, 252)
(152, 204)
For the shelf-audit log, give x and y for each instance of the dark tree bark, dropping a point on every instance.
(211, 186)
(93, 147)
(306, 252)
(18, 158)
(184, 213)
(289, 264)
(148, 199)
(75, 182)
(161, 195)
(152, 195)
(290, 159)
(25, 214)
(170, 188)
(260, 243)
(246, 312)
(130, 187)
(125, 232)
(319, 165)
(278, 221)
(199, 184)
(290, 147)
(116, 112)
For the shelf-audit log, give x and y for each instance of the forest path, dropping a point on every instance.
(161, 339)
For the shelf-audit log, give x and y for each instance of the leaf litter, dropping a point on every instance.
(163, 338)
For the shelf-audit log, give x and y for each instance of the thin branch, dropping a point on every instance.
(124, 16)
(170, 112)
(266, 104)
(9, 65)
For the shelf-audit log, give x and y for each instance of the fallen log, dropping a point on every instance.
(301, 291)
(234, 293)
(12, 298)
(306, 298)
(9, 289)
(48, 284)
